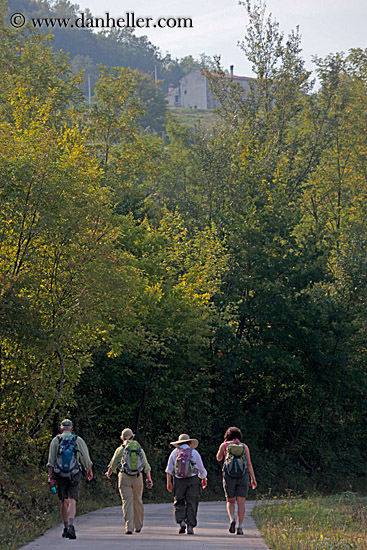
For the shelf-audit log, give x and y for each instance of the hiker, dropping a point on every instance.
(237, 471)
(186, 468)
(67, 454)
(131, 461)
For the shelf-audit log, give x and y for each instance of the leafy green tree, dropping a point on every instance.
(288, 325)
(58, 262)
(153, 119)
(27, 59)
(165, 370)
(130, 158)
(115, 110)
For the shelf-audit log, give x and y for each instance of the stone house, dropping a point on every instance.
(193, 91)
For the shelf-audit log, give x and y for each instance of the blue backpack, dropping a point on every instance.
(67, 464)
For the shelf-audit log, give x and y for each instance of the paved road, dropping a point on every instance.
(104, 529)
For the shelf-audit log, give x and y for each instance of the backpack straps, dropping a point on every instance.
(75, 438)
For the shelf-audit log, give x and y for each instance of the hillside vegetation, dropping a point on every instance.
(205, 118)
(187, 282)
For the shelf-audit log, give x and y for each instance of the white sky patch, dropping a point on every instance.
(326, 26)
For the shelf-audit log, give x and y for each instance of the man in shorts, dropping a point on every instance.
(68, 485)
(236, 488)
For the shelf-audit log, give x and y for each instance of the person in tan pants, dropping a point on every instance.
(130, 484)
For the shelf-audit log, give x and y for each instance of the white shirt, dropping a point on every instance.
(196, 459)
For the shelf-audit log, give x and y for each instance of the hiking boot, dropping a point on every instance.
(239, 531)
(182, 528)
(65, 533)
(71, 532)
(232, 526)
(190, 530)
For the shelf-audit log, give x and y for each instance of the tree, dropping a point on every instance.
(153, 119)
(27, 59)
(115, 110)
(288, 325)
(167, 354)
(58, 263)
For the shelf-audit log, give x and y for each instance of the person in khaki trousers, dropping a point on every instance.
(130, 485)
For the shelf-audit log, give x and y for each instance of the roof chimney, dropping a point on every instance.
(231, 69)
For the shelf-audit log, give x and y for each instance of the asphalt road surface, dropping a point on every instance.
(104, 529)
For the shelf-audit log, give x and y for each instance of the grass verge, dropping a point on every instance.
(318, 523)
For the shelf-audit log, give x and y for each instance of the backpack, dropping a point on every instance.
(132, 460)
(184, 465)
(67, 463)
(235, 461)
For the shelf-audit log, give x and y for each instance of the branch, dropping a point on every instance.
(37, 428)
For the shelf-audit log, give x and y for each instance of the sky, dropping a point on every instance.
(326, 26)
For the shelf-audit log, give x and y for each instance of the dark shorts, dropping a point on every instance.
(68, 488)
(236, 486)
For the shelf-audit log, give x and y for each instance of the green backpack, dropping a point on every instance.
(132, 461)
(235, 461)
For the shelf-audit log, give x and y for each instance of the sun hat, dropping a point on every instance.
(127, 433)
(184, 438)
(66, 423)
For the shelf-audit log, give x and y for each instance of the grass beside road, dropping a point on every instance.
(317, 523)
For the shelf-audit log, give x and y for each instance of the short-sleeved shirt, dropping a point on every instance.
(196, 459)
(116, 461)
(82, 451)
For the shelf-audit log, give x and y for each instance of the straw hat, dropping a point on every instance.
(184, 438)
